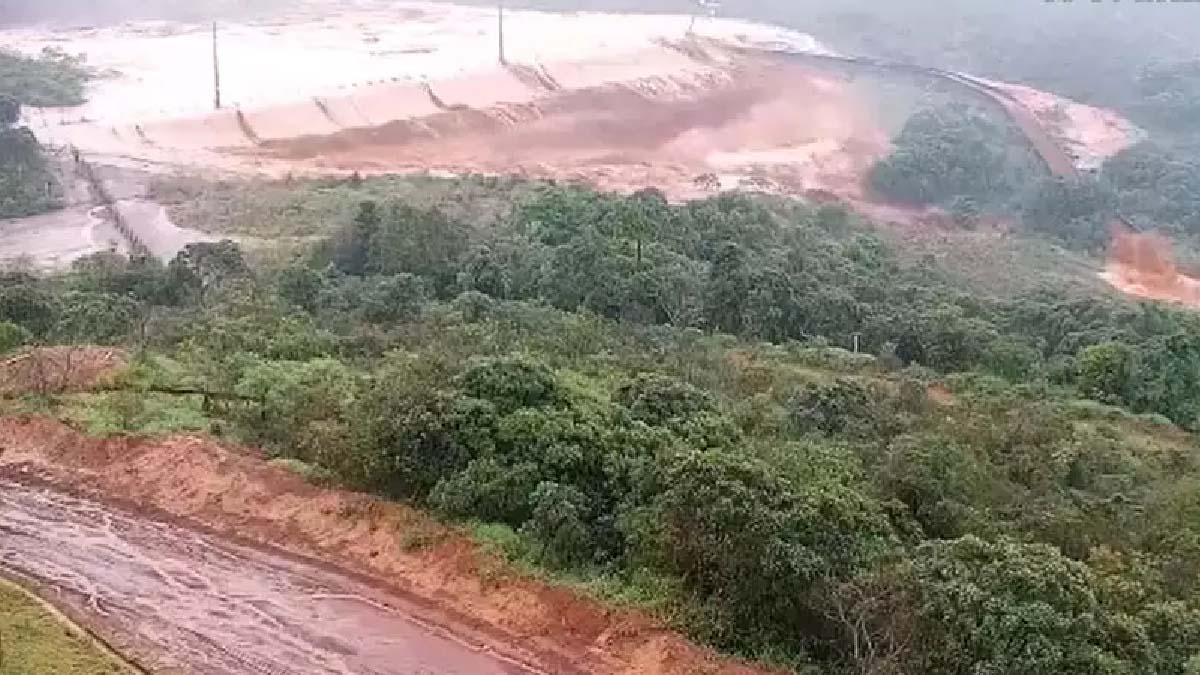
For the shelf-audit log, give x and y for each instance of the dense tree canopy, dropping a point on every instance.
(951, 156)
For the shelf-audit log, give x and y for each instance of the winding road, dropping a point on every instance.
(202, 605)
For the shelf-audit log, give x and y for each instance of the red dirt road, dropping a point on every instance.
(194, 603)
(242, 523)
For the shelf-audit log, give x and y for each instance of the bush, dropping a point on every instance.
(659, 400)
(12, 336)
(559, 521)
(1009, 607)
(510, 383)
(54, 78)
(750, 543)
(27, 185)
(843, 407)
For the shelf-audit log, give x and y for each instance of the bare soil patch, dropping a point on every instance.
(59, 370)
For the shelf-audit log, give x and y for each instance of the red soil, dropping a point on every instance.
(56, 370)
(230, 490)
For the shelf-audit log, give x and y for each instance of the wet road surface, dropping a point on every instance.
(202, 605)
(52, 241)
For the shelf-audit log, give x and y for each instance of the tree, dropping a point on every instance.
(422, 242)
(485, 271)
(292, 399)
(1169, 92)
(1168, 378)
(301, 285)
(386, 299)
(352, 245)
(939, 482)
(946, 155)
(1106, 372)
(200, 268)
(559, 521)
(1013, 359)
(643, 213)
(728, 285)
(1156, 184)
(10, 110)
(27, 304)
(101, 318)
(405, 433)
(658, 399)
(488, 489)
(1077, 211)
(27, 185)
(843, 407)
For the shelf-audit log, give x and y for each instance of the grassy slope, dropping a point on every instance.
(307, 208)
(32, 642)
(999, 264)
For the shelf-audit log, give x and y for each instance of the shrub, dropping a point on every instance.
(12, 336)
(750, 543)
(843, 407)
(510, 383)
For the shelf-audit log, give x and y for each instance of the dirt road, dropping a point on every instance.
(427, 570)
(203, 605)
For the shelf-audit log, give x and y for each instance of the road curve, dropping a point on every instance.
(198, 604)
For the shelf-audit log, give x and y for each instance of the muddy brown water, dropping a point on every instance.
(199, 604)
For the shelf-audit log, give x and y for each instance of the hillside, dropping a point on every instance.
(641, 346)
(615, 420)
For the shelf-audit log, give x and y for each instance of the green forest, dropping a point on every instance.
(663, 400)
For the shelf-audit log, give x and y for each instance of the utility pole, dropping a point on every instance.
(500, 19)
(216, 71)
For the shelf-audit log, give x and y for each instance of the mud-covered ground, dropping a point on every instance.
(191, 602)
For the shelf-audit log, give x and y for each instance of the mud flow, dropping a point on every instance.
(213, 607)
(1142, 264)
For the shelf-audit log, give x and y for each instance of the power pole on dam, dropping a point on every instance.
(500, 24)
(216, 71)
